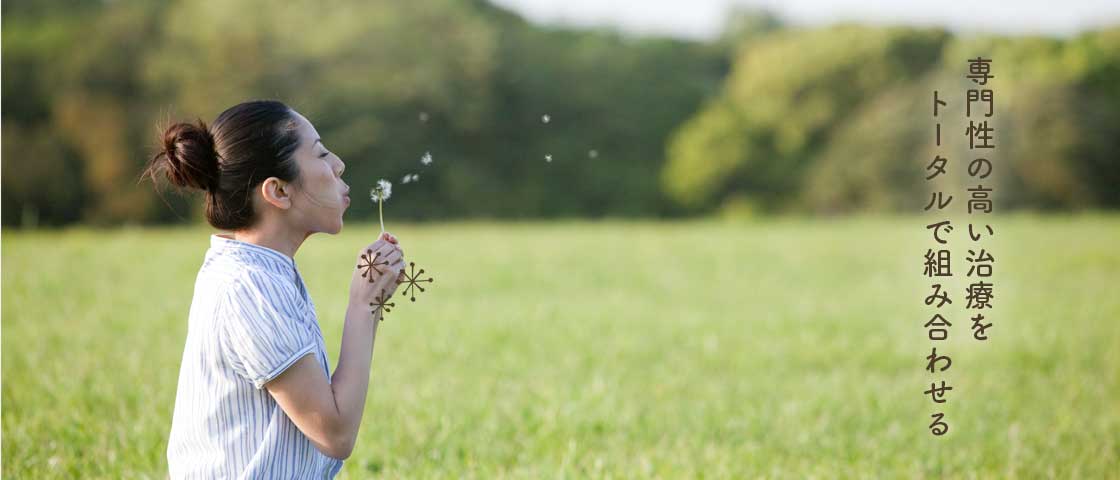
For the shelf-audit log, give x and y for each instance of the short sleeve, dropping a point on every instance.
(260, 326)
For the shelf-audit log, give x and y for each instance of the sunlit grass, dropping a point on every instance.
(785, 348)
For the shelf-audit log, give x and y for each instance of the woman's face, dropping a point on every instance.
(319, 196)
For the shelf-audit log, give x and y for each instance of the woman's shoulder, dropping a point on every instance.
(226, 278)
(254, 280)
(244, 270)
(233, 279)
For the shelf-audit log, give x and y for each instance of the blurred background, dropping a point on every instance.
(655, 110)
(671, 239)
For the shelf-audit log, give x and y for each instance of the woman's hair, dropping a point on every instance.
(245, 145)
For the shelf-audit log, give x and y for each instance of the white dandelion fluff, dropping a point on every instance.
(426, 159)
(548, 158)
(411, 177)
(593, 153)
(382, 191)
(546, 118)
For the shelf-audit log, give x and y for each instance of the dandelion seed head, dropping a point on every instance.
(426, 159)
(381, 191)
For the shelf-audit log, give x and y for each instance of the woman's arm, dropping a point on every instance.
(329, 414)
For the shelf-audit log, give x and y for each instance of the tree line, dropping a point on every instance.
(829, 119)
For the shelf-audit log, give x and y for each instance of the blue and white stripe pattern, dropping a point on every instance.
(250, 319)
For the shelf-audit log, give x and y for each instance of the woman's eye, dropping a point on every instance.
(324, 154)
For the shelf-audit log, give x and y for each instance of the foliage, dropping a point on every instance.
(826, 119)
(840, 119)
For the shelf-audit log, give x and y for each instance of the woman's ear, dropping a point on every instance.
(277, 192)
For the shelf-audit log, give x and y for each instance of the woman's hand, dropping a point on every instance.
(380, 265)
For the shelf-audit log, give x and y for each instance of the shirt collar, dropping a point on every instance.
(222, 241)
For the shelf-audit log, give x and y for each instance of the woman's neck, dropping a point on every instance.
(273, 236)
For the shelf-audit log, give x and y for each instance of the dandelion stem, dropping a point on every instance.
(380, 193)
(380, 216)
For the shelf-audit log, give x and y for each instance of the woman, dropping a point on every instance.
(255, 396)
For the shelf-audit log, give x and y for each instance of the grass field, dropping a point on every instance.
(779, 349)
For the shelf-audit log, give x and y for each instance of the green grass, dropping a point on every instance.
(781, 349)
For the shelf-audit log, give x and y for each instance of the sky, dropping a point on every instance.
(703, 19)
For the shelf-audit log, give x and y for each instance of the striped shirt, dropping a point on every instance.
(250, 319)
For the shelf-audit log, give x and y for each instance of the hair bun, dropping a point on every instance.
(192, 160)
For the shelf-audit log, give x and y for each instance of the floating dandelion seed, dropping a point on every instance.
(546, 118)
(411, 177)
(424, 117)
(426, 159)
(593, 153)
(379, 194)
(548, 158)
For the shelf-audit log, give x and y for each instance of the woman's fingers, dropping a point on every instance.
(385, 249)
(378, 246)
(394, 258)
(385, 254)
(389, 278)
